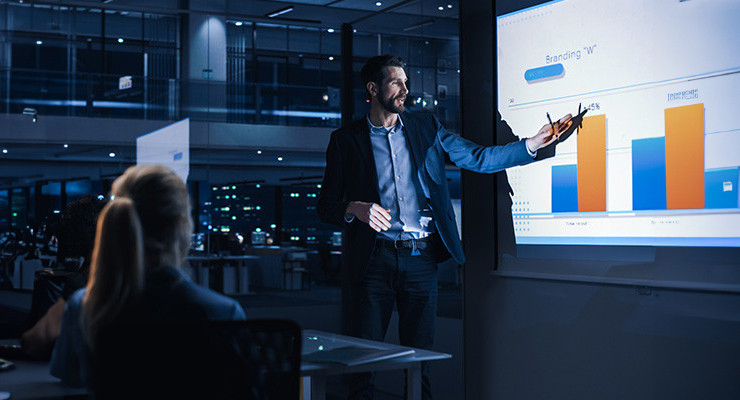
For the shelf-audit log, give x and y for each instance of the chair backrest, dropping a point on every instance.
(253, 359)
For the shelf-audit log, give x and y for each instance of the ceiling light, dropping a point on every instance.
(331, 58)
(419, 25)
(280, 12)
(238, 23)
(5, 151)
(377, 3)
(440, 8)
(39, 42)
(111, 155)
(120, 40)
(449, 6)
(259, 151)
(280, 159)
(66, 146)
(330, 30)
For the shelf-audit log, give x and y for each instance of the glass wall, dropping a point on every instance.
(79, 61)
(135, 68)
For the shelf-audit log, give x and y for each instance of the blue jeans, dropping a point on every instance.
(394, 276)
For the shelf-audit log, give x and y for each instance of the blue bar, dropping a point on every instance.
(648, 174)
(541, 73)
(528, 9)
(565, 188)
(720, 188)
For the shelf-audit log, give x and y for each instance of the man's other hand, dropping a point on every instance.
(547, 135)
(372, 214)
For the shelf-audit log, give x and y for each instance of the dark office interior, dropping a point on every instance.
(261, 85)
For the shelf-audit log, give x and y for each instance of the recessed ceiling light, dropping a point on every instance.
(280, 159)
(238, 23)
(39, 42)
(280, 12)
(66, 145)
(120, 40)
(259, 151)
(5, 151)
(330, 30)
(440, 8)
(419, 25)
(377, 3)
(111, 154)
(449, 6)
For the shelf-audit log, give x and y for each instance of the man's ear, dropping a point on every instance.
(372, 88)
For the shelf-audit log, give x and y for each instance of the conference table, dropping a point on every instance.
(31, 379)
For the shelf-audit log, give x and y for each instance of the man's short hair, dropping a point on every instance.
(374, 68)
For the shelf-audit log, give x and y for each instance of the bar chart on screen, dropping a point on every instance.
(657, 158)
(663, 171)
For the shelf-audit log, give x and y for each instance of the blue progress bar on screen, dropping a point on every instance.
(542, 73)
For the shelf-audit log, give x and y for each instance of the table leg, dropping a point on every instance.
(305, 388)
(203, 275)
(314, 387)
(413, 382)
(243, 278)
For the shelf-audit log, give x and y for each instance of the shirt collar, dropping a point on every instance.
(383, 130)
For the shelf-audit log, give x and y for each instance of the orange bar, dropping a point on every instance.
(684, 156)
(592, 164)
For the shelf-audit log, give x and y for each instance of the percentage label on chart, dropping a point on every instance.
(593, 106)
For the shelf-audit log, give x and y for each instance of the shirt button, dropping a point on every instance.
(398, 176)
(401, 198)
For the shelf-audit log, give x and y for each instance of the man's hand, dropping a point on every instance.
(547, 135)
(371, 213)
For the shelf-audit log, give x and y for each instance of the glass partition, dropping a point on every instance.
(132, 68)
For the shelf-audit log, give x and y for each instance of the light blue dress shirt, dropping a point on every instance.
(398, 184)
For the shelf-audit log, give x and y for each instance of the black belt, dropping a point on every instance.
(421, 244)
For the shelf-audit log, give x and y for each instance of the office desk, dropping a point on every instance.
(31, 379)
(314, 374)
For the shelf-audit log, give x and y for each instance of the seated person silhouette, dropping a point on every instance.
(142, 238)
(76, 237)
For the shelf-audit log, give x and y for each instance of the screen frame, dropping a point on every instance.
(713, 269)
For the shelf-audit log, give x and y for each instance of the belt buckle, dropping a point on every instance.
(398, 244)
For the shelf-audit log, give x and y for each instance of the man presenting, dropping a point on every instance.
(385, 184)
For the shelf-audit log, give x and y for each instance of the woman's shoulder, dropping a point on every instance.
(74, 301)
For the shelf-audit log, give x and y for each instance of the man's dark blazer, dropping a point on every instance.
(350, 175)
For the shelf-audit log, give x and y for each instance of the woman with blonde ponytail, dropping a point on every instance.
(142, 238)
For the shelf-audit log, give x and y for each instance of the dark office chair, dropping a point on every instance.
(254, 360)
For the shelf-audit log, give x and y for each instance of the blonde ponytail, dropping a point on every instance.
(147, 226)
(117, 268)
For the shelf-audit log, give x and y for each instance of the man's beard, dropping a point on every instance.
(390, 104)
